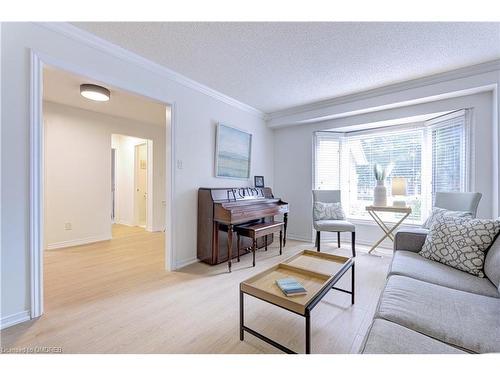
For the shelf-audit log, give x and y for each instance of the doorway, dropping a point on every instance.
(135, 194)
(38, 178)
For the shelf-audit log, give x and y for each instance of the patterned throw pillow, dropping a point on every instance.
(460, 242)
(438, 213)
(328, 211)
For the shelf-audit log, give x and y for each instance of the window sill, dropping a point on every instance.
(356, 220)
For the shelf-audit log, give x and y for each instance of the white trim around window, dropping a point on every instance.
(451, 150)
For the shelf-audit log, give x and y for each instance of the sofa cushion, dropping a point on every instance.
(465, 320)
(460, 243)
(411, 264)
(334, 226)
(492, 263)
(386, 337)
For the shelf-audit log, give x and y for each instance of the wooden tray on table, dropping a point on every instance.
(312, 269)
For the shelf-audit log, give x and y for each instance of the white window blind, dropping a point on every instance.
(448, 148)
(327, 161)
(432, 156)
(400, 148)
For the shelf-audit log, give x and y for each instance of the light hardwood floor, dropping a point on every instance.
(115, 297)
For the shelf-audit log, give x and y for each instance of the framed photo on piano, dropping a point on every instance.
(233, 152)
(258, 181)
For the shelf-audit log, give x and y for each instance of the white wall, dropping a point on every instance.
(293, 162)
(78, 173)
(195, 115)
(125, 180)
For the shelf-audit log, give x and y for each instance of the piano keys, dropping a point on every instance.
(219, 209)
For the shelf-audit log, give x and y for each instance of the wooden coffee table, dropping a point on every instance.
(317, 272)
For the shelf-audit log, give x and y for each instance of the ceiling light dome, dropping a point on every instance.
(95, 92)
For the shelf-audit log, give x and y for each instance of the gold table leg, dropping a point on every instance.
(381, 224)
(388, 231)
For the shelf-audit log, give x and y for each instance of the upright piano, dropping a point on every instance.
(219, 209)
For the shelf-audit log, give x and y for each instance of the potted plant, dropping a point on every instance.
(380, 191)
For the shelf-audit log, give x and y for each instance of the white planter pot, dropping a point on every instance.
(380, 194)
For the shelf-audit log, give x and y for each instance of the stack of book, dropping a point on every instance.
(291, 287)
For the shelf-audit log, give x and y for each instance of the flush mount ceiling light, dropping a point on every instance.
(94, 92)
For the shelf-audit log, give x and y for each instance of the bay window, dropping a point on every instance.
(327, 161)
(431, 156)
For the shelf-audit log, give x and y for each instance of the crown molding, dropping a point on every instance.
(103, 45)
(464, 72)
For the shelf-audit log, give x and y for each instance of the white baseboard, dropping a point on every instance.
(291, 236)
(148, 228)
(184, 263)
(332, 237)
(370, 243)
(124, 222)
(10, 320)
(77, 242)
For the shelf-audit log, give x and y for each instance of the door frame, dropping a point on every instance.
(113, 185)
(36, 169)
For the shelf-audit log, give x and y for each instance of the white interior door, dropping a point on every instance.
(141, 184)
(113, 184)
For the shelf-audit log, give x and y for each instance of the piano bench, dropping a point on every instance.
(258, 230)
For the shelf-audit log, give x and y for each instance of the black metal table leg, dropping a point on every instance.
(308, 332)
(307, 313)
(242, 332)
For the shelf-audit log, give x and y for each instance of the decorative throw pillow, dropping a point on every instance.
(328, 211)
(438, 213)
(460, 242)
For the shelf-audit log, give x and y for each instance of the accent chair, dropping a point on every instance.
(331, 196)
(467, 202)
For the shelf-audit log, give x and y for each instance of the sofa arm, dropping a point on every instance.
(410, 239)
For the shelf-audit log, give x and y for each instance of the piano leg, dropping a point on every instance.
(281, 242)
(254, 247)
(215, 247)
(285, 221)
(238, 241)
(229, 245)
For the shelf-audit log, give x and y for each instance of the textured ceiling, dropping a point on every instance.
(64, 88)
(273, 66)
